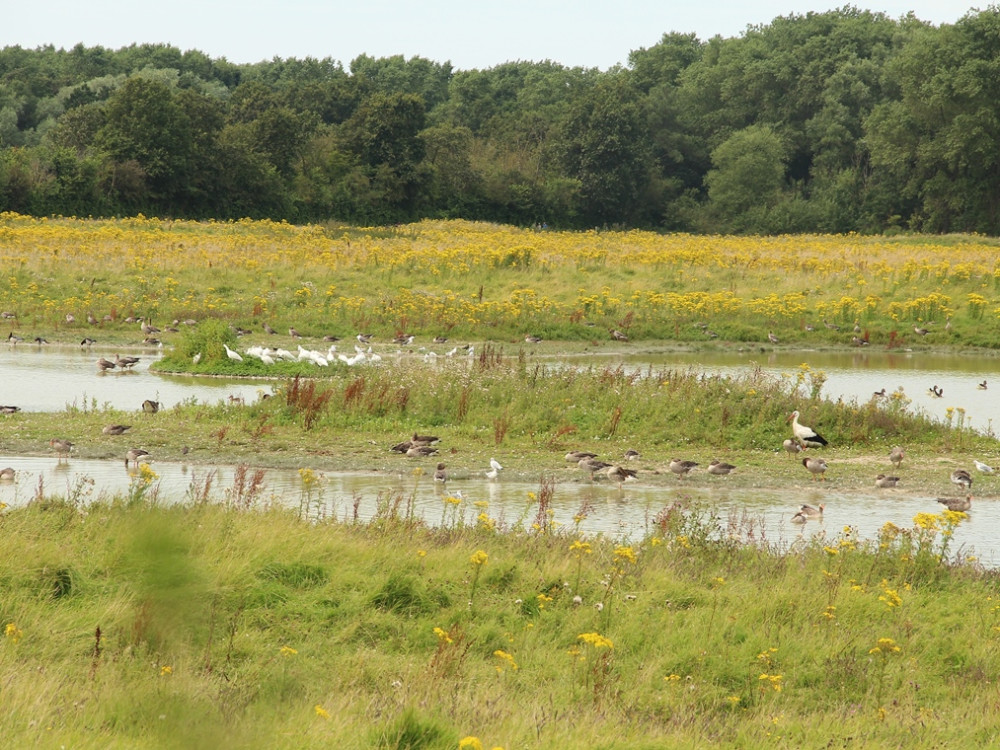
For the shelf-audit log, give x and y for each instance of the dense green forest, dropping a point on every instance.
(832, 122)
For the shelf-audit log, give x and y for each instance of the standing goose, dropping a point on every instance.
(791, 446)
(807, 436)
(681, 468)
(896, 456)
(62, 447)
(962, 478)
(621, 475)
(440, 475)
(772, 338)
(816, 467)
(135, 455)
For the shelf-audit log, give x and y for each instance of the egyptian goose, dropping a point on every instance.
(816, 467)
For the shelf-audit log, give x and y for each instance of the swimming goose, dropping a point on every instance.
(982, 386)
(935, 391)
(962, 504)
(816, 467)
(440, 475)
(807, 436)
(681, 468)
(811, 512)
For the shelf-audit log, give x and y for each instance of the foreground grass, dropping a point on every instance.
(136, 626)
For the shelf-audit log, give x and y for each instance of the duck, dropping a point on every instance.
(134, 455)
(116, 429)
(896, 456)
(495, 469)
(440, 475)
(61, 446)
(962, 478)
(791, 446)
(807, 436)
(886, 481)
(719, 468)
(681, 468)
(981, 386)
(961, 504)
(816, 467)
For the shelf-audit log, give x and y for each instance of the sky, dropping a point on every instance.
(470, 34)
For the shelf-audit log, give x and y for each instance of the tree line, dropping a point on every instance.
(844, 121)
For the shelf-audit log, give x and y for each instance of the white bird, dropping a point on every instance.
(495, 469)
(196, 358)
(266, 358)
(807, 436)
(451, 353)
(235, 356)
(985, 468)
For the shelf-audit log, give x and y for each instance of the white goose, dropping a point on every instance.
(807, 436)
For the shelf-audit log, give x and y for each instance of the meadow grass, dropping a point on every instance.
(130, 625)
(474, 281)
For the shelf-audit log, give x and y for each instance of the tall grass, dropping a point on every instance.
(133, 625)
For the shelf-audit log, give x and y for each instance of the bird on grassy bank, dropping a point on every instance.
(420, 451)
(424, 439)
(962, 478)
(772, 338)
(593, 465)
(150, 407)
(961, 504)
(532, 339)
(681, 468)
(495, 469)
(984, 468)
(234, 356)
(135, 455)
(920, 331)
(7, 474)
(896, 456)
(440, 475)
(402, 447)
(61, 446)
(621, 475)
(294, 334)
(574, 457)
(886, 481)
(632, 455)
(618, 335)
(9, 409)
(719, 468)
(116, 429)
(791, 446)
(807, 436)
(816, 467)
(13, 339)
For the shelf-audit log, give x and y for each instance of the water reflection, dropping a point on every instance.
(622, 514)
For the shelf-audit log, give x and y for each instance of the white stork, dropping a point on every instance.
(807, 436)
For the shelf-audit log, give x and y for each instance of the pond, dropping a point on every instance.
(50, 378)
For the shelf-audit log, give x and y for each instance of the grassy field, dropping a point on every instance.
(131, 625)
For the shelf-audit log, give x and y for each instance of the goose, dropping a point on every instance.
(440, 475)
(420, 451)
(984, 468)
(116, 429)
(268, 330)
(404, 339)
(365, 338)
(574, 457)
(831, 326)
(592, 465)
(294, 334)
(40, 340)
(618, 335)
(719, 468)
(150, 407)
(632, 455)
(495, 469)
(810, 511)
(896, 456)
(807, 436)
(424, 439)
(791, 446)
(148, 329)
(7, 409)
(621, 475)
(13, 339)
(61, 446)
(772, 338)
(104, 365)
(401, 447)
(87, 341)
(961, 504)
(126, 363)
(681, 468)
(70, 318)
(935, 391)
(234, 356)
(7, 474)
(532, 339)
(816, 467)
(440, 339)
(920, 331)
(962, 478)
(981, 386)
(134, 455)
(331, 338)
(800, 517)
(879, 394)
(885, 481)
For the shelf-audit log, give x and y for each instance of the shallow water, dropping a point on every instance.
(625, 514)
